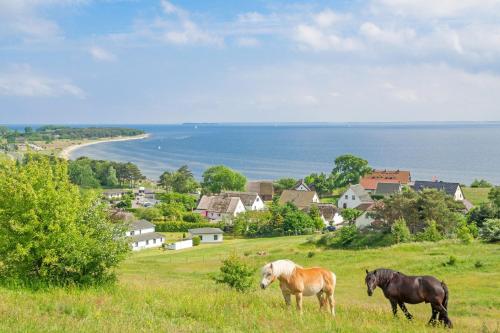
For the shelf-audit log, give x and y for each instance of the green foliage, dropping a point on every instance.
(186, 200)
(464, 232)
(490, 231)
(196, 240)
(494, 197)
(430, 233)
(400, 231)
(168, 226)
(452, 261)
(50, 232)
(322, 183)
(478, 215)
(346, 235)
(349, 169)
(351, 214)
(110, 179)
(284, 184)
(149, 214)
(220, 178)
(180, 181)
(192, 217)
(64, 132)
(480, 183)
(236, 274)
(82, 175)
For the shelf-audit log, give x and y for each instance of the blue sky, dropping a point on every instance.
(159, 61)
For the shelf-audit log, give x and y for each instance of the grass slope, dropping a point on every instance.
(173, 292)
(475, 195)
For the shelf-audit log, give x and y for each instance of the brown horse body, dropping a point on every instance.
(399, 289)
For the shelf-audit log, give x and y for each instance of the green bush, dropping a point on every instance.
(400, 231)
(464, 233)
(236, 274)
(196, 240)
(167, 226)
(347, 234)
(490, 231)
(430, 233)
(193, 217)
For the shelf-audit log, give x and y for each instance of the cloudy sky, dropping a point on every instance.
(159, 61)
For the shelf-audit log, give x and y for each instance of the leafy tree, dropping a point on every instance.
(323, 184)
(315, 215)
(111, 179)
(149, 214)
(490, 231)
(81, 174)
(494, 197)
(430, 233)
(349, 169)
(220, 178)
(481, 213)
(196, 240)
(464, 233)
(236, 274)
(28, 130)
(481, 183)
(400, 231)
(180, 181)
(188, 201)
(284, 184)
(351, 214)
(50, 232)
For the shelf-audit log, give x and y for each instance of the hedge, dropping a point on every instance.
(183, 226)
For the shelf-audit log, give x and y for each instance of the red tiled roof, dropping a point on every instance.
(402, 176)
(370, 184)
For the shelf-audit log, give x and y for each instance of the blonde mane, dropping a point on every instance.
(283, 267)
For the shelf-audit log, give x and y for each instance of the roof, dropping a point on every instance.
(361, 193)
(301, 199)
(140, 224)
(467, 205)
(299, 183)
(218, 204)
(449, 188)
(328, 211)
(388, 188)
(200, 231)
(403, 176)
(371, 183)
(146, 236)
(248, 198)
(263, 187)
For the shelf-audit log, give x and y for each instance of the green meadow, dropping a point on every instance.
(168, 291)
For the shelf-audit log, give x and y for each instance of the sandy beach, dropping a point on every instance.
(66, 152)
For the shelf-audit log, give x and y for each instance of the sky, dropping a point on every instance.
(162, 61)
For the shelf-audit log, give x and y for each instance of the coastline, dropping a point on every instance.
(66, 152)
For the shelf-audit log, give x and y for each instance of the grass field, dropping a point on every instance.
(476, 196)
(173, 292)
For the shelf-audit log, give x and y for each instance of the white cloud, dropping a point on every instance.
(247, 42)
(21, 81)
(314, 38)
(100, 54)
(328, 17)
(375, 33)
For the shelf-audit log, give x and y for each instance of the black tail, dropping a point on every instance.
(445, 299)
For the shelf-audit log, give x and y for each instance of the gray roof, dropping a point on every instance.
(146, 236)
(387, 188)
(301, 199)
(361, 193)
(247, 198)
(328, 211)
(450, 188)
(140, 224)
(200, 231)
(301, 182)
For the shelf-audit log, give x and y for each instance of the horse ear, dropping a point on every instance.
(271, 266)
(367, 271)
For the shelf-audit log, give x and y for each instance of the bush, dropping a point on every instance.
(311, 254)
(400, 231)
(196, 240)
(167, 226)
(346, 235)
(490, 231)
(430, 233)
(236, 274)
(464, 233)
(192, 217)
(452, 261)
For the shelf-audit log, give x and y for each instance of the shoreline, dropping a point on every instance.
(66, 152)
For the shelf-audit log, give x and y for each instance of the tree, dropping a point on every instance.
(50, 232)
(351, 214)
(284, 184)
(111, 180)
(81, 174)
(349, 169)
(481, 183)
(236, 274)
(180, 181)
(400, 231)
(490, 231)
(28, 130)
(220, 178)
(323, 184)
(494, 197)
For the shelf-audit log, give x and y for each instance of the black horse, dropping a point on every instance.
(400, 289)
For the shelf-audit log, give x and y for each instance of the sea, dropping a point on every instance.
(457, 152)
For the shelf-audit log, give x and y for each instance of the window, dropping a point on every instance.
(353, 197)
(147, 241)
(154, 241)
(345, 205)
(216, 237)
(136, 244)
(201, 237)
(346, 197)
(132, 233)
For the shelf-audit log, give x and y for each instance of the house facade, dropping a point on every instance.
(330, 214)
(180, 245)
(265, 189)
(354, 196)
(207, 235)
(142, 235)
(219, 207)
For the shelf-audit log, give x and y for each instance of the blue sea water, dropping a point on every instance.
(449, 151)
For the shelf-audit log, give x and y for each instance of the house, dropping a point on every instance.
(355, 196)
(183, 244)
(388, 189)
(452, 189)
(330, 214)
(365, 219)
(207, 235)
(402, 176)
(301, 199)
(301, 186)
(264, 188)
(114, 194)
(370, 184)
(142, 235)
(251, 200)
(219, 207)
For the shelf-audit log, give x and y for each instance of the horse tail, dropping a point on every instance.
(446, 295)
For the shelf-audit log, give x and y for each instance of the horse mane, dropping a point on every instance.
(384, 275)
(283, 267)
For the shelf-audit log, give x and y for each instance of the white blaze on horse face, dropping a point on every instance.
(267, 276)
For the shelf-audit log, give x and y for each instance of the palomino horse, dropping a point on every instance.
(298, 281)
(401, 289)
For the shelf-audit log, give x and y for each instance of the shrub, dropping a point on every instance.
(478, 264)
(464, 233)
(451, 261)
(236, 274)
(167, 226)
(400, 231)
(196, 240)
(490, 231)
(346, 235)
(430, 233)
(192, 217)
(311, 254)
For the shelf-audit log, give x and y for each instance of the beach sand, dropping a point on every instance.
(66, 152)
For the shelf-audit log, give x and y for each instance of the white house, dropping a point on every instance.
(452, 189)
(183, 244)
(142, 235)
(114, 194)
(251, 200)
(301, 186)
(330, 215)
(354, 196)
(207, 235)
(219, 207)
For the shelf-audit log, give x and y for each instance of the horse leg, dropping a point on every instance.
(394, 306)
(405, 310)
(288, 298)
(298, 298)
(331, 301)
(435, 311)
(443, 316)
(321, 299)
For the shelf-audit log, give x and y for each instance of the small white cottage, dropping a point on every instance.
(220, 207)
(143, 236)
(251, 200)
(354, 196)
(207, 235)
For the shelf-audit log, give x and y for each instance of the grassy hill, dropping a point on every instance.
(173, 292)
(476, 195)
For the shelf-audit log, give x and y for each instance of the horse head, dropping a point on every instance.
(268, 276)
(371, 281)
